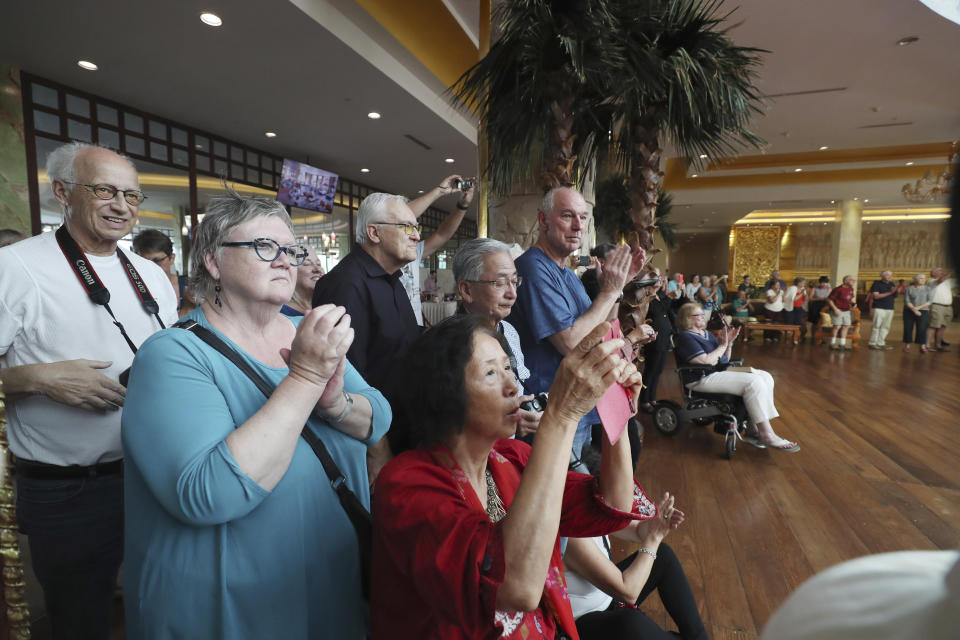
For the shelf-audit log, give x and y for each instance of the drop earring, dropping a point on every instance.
(216, 300)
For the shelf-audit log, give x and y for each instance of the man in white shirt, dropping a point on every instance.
(61, 357)
(941, 308)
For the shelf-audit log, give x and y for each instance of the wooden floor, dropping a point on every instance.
(878, 470)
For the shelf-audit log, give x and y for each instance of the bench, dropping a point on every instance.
(771, 326)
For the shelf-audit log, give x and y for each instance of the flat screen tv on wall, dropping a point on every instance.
(307, 187)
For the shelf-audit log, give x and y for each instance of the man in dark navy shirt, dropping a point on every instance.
(367, 283)
(883, 292)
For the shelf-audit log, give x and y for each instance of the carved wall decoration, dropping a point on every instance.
(814, 245)
(903, 247)
(756, 252)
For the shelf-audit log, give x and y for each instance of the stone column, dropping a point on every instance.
(845, 257)
(14, 198)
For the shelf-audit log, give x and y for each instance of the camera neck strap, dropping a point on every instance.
(95, 289)
(513, 358)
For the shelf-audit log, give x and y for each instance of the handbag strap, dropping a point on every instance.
(336, 477)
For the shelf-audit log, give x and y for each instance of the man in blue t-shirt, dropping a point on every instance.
(553, 312)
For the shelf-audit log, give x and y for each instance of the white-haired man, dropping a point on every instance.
(73, 309)
(367, 284)
(553, 312)
(883, 292)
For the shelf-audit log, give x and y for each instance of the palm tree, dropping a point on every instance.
(612, 211)
(569, 82)
(688, 83)
(532, 84)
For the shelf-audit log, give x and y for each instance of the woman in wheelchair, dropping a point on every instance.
(696, 345)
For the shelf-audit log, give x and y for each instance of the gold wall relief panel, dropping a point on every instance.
(756, 252)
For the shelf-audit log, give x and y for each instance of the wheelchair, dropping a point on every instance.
(725, 411)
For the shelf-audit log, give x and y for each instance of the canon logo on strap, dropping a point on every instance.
(82, 268)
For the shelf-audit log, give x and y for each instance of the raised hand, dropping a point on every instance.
(585, 373)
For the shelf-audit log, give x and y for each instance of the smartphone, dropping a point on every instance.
(583, 261)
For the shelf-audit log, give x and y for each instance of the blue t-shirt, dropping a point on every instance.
(690, 344)
(550, 300)
(209, 553)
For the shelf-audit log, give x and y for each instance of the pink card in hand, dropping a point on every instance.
(614, 406)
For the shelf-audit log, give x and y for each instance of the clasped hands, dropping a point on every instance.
(318, 354)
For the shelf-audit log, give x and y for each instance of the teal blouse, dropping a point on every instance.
(209, 553)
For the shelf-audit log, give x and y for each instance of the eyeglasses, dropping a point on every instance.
(502, 282)
(109, 192)
(696, 315)
(161, 259)
(269, 250)
(408, 228)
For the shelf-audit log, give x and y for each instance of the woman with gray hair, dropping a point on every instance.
(232, 529)
(916, 313)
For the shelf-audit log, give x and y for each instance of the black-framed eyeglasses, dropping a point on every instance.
(161, 259)
(502, 282)
(269, 250)
(408, 228)
(109, 192)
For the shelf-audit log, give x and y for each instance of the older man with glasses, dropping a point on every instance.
(73, 310)
(488, 282)
(367, 284)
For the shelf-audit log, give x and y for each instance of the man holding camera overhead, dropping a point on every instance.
(553, 312)
(410, 274)
(73, 309)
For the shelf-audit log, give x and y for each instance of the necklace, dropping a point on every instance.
(495, 508)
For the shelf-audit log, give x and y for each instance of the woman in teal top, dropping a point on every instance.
(232, 528)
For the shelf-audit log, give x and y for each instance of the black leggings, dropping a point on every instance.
(620, 623)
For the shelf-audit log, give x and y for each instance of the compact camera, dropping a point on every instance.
(462, 185)
(538, 403)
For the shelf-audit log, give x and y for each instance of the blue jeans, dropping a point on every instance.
(75, 530)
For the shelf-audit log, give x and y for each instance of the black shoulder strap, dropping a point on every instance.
(333, 472)
(358, 514)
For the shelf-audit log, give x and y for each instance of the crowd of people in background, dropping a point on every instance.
(927, 306)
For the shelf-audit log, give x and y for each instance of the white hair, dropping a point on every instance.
(62, 164)
(547, 204)
(468, 263)
(373, 206)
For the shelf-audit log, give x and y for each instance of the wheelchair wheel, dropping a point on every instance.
(730, 445)
(666, 418)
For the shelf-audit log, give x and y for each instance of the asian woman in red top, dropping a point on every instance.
(467, 525)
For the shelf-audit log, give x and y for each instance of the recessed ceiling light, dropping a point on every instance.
(866, 199)
(908, 40)
(449, 160)
(855, 198)
(373, 115)
(419, 190)
(910, 164)
(86, 64)
(824, 148)
(364, 170)
(694, 175)
(833, 202)
(703, 156)
(211, 19)
(270, 134)
(797, 170)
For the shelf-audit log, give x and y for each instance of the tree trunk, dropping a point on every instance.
(559, 158)
(646, 180)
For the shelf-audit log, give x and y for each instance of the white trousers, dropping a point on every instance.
(881, 326)
(756, 388)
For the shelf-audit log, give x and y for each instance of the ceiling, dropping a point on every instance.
(311, 70)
